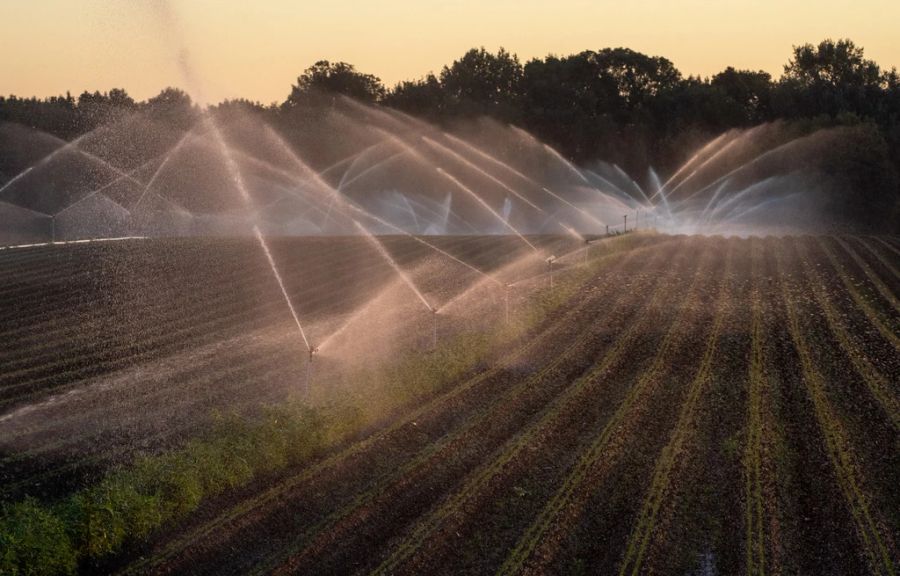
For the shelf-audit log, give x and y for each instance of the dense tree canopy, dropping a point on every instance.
(613, 104)
(746, 94)
(325, 78)
(482, 83)
(833, 64)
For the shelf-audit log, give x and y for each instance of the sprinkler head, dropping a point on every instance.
(313, 350)
(551, 259)
(434, 310)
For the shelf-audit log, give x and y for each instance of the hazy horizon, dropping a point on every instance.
(101, 44)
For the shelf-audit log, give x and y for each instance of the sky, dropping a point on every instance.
(256, 49)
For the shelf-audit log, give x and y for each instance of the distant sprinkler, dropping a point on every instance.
(625, 229)
(306, 386)
(550, 268)
(506, 301)
(434, 312)
(607, 229)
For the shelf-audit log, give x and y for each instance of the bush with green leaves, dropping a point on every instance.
(33, 541)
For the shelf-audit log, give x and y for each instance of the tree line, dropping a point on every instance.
(614, 104)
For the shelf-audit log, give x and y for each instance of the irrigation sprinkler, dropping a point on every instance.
(607, 229)
(434, 312)
(626, 224)
(506, 302)
(306, 385)
(550, 268)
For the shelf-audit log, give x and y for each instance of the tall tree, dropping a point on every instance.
(830, 79)
(423, 97)
(747, 95)
(174, 106)
(639, 77)
(483, 83)
(325, 79)
(571, 102)
(98, 108)
(834, 64)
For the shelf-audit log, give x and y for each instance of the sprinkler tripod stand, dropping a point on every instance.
(306, 385)
(434, 312)
(506, 301)
(550, 261)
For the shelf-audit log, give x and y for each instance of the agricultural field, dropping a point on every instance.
(105, 357)
(652, 405)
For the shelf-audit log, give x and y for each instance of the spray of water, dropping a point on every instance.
(335, 197)
(348, 159)
(171, 154)
(703, 165)
(238, 179)
(390, 260)
(363, 173)
(353, 319)
(574, 233)
(695, 157)
(566, 163)
(481, 153)
(479, 170)
(287, 299)
(72, 146)
(23, 208)
(487, 207)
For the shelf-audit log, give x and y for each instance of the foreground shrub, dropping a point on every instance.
(33, 541)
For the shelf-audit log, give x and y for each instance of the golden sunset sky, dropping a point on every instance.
(256, 49)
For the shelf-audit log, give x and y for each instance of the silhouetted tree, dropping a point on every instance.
(615, 103)
(55, 115)
(98, 108)
(639, 77)
(831, 78)
(325, 79)
(572, 103)
(747, 95)
(423, 97)
(831, 63)
(483, 83)
(173, 106)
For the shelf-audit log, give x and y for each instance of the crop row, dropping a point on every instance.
(660, 484)
(758, 409)
(842, 457)
(355, 459)
(542, 539)
(514, 455)
(82, 435)
(887, 328)
(525, 450)
(493, 423)
(193, 324)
